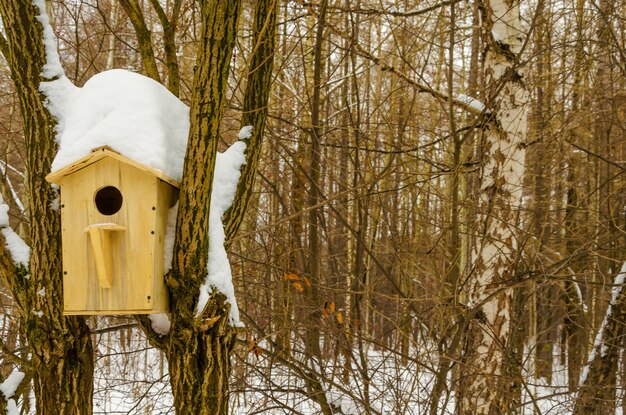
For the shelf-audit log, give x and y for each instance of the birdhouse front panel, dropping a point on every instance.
(113, 217)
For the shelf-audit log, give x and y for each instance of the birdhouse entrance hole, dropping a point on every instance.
(108, 200)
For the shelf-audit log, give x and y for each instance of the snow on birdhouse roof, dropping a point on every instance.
(132, 115)
(100, 153)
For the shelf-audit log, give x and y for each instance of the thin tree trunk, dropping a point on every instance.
(144, 38)
(255, 107)
(169, 25)
(596, 393)
(312, 335)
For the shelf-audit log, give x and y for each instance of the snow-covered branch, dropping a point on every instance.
(17, 248)
(600, 344)
(57, 88)
(8, 388)
(3, 171)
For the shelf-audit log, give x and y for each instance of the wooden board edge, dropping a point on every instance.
(111, 312)
(96, 155)
(86, 161)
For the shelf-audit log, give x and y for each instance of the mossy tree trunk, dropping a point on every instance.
(255, 105)
(198, 347)
(61, 350)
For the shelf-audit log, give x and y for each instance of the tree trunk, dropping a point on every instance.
(198, 348)
(255, 106)
(144, 40)
(315, 387)
(487, 389)
(199, 360)
(596, 393)
(62, 356)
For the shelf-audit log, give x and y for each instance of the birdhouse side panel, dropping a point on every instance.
(167, 198)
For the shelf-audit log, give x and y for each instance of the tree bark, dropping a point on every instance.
(255, 107)
(198, 348)
(62, 356)
(315, 387)
(487, 388)
(596, 393)
(144, 39)
(169, 42)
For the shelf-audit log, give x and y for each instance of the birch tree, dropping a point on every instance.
(596, 393)
(487, 388)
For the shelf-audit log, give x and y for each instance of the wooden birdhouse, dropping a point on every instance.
(113, 217)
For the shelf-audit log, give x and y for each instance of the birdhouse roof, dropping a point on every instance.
(100, 153)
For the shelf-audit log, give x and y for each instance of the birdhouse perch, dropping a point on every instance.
(113, 217)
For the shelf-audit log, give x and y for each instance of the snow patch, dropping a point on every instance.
(53, 67)
(59, 95)
(4, 213)
(470, 102)
(57, 88)
(225, 179)
(245, 132)
(10, 385)
(133, 114)
(160, 323)
(19, 251)
(12, 407)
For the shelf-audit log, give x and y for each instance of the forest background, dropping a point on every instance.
(398, 255)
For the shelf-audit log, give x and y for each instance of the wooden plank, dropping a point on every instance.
(139, 189)
(113, 312)
(164, 201)
(76, 253)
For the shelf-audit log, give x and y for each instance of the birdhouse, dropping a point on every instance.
(113, 217)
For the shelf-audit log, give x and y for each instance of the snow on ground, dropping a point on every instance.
(131, 377)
